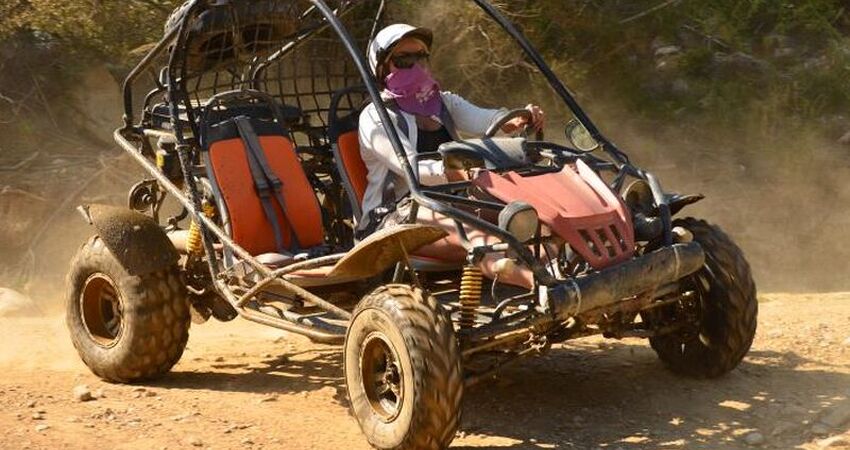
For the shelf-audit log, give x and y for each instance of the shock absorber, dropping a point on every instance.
(194, 241)
(470, 295)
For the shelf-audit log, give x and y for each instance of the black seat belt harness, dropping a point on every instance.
(269, 186)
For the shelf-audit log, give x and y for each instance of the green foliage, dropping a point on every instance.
(108, 29)
(786, 60)
(743, 22)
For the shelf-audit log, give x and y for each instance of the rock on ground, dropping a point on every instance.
(82, 393)
(755, 438)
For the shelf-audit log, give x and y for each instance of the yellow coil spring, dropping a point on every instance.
(194, 241)
(470, 295)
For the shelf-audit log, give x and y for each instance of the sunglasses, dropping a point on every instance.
(407, 60)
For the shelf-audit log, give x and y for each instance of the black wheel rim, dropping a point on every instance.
(687, 311)
(702, 283)
(101, 310)
(383, 380)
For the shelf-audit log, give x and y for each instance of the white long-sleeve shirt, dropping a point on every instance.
(382, 162)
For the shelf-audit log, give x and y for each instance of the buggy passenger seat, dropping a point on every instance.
(345, 142)
(255, 218)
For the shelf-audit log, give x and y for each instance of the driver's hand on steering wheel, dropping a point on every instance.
(538, 121)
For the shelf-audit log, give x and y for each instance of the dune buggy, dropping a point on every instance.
(250, 128)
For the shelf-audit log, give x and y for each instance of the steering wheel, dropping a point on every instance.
(511, 115)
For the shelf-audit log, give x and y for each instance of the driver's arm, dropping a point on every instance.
(468, 117)
(475, 120)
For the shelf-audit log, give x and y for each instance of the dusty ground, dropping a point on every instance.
(240, 385)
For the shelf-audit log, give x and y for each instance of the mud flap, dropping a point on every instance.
(136, 240)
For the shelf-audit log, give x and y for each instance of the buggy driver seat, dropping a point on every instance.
(345, 143)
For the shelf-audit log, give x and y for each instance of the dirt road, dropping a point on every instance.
(240, 385)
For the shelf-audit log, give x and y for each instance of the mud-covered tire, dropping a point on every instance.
(151, 312)
(416, 335)
(727, 309)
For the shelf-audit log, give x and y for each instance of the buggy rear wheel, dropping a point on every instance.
(403, 370)
(724, 309)
(125, 328)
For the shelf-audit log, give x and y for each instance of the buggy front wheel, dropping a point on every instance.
(724, 309)
(403, 370)
(125, 327)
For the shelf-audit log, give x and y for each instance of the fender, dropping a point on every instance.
(136, 240)
(638, 195)
(383, 248)
(678, 202)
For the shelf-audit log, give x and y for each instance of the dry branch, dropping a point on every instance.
(648, 11)
(20, 164)
(45, 102)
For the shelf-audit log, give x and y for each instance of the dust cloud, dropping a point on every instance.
(788, 214)
(41, 343)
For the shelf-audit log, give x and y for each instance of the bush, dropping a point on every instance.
(108, 29)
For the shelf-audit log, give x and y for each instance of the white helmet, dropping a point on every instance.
(387, 38)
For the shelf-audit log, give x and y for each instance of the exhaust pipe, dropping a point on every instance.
(612, 285)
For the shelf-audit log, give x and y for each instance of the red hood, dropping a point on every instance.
(577, 205)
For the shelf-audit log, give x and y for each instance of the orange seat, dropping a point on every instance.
(351, 168)
(227, 163)
(346, 146)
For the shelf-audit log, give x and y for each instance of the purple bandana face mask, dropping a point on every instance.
(415, 91)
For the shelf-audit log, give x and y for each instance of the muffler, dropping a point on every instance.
(614, 284)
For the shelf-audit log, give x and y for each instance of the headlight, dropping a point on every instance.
(520, 219)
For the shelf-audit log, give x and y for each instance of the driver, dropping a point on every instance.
(424, 117)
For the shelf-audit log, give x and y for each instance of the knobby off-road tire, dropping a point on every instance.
(727, 309)
(403, 370)
(125, 328)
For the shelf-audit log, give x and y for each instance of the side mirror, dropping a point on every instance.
(580, 137)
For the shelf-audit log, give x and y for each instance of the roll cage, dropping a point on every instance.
(308, 18)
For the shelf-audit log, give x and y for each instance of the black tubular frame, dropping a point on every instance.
(438, 198)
